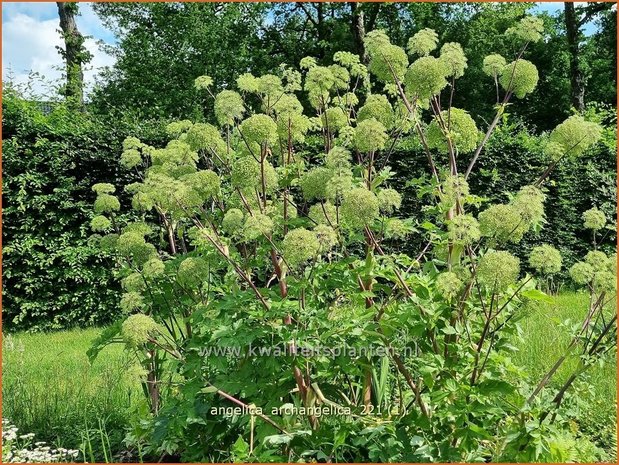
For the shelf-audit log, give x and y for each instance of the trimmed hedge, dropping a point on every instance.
(52, 277)
(513, 158)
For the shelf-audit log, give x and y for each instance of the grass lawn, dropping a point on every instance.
(545, 340)
(50, 389)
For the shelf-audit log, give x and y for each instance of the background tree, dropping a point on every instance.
(575, 19)
(74, 53)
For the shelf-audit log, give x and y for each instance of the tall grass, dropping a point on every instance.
(544, 341)
(49, 388)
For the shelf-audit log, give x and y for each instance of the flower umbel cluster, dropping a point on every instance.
(20, 448)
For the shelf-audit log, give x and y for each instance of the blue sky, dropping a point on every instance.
(29, 38)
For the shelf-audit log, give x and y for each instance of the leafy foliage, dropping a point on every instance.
(54, 277)
(264, 240)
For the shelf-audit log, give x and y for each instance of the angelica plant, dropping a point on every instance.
(280, 228)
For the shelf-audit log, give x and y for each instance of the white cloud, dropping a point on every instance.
(29, 40)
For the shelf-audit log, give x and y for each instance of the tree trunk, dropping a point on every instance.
(577, 80)
(73, 54)
(357, 28)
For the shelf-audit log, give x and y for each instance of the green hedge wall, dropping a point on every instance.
(513, 158)
(52, 277)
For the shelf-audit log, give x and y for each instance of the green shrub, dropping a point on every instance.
(286, 238)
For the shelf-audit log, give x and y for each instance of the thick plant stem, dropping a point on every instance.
(152, 384)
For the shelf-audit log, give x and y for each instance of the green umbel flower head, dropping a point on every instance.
(454, 59)
(232, 221)
(131, 301)
(257, 225)
(176, 128)
(502, 223)
(347, 101)
(192, 272)
(132, 143)
(575, 135)
(298, 246)
(202, 136)
(395, 228)
(454, 188)
(449, 285)
(338, 184)
(203, 82)
(130, 158)
(498, 269)
(553, 150)
(334, 119)
(389, 200)
(378, 107)
(545, 259)
(494, 65)
(423, 42)
(294, 124)
(246, 175)
(103, 188)
(133, 246)
(314, 183)
(337, 158)
(529, 203)
(327, 237)
(594, 219)
(153, 268)
(260, 129)
(133, 283)
(247, 82)
(519, 77)
(370, 136)
(100, 223)
(462, 131)
(426, 77)
(228, 107)
(341, 77)
(464, 230)
(106, 203)
(386, 59)
(347, 59)
(138, 329)
(286, 104)
(597, 259)
(581, 273)
(605, 281)
(108, 242)
(528, 29)
(359, 208)
(270, 87)
(206, 183)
